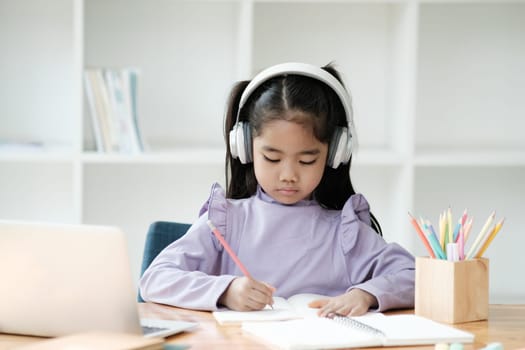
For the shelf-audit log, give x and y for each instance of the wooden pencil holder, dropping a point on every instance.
(452, 292)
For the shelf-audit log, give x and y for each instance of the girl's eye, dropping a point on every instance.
(310, 162)
(270, 159)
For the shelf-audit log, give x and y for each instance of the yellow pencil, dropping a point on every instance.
(441, 232)
(449, 222)
(493, 234)
(480, 237)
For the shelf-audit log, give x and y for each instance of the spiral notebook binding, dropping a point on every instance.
(348, 321)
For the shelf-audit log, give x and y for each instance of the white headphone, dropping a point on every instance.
(340, 148)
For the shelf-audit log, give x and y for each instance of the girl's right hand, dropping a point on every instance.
(246, 294)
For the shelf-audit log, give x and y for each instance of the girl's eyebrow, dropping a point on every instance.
(313, 151)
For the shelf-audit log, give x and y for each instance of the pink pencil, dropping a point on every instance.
(228, 249)
(468, 227)
(461, 244)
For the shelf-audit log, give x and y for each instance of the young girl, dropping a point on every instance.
(290, 212)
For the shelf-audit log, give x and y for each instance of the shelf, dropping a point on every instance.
(471, 75)
(184, 79)
(37, 66)
(31, 153)
(132, 195)
(470, 158)
(371, 44)
(481, 191)
(179, 156)
(378, 157)
(41, 191)
(437, 91)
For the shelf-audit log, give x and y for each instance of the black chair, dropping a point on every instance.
(160, 235)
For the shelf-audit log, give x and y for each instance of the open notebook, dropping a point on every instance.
(291, 324)
(283, 309)
(364, 331)
(65, 279)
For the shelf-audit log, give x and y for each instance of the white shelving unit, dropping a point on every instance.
(437, 87)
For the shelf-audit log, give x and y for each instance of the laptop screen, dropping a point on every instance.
(60, 279)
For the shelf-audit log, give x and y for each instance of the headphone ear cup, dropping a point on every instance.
(241, 152)
(247, 147)
(349, 146)
(340, 147)
(241, 142)
(233, 141)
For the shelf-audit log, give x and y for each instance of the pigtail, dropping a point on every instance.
(240, 178)
(336, 186)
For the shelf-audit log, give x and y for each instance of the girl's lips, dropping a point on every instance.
(287, 191)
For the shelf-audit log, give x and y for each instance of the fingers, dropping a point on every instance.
(325, 306)
(247, 294)
(356, 302)
(272, 288)
(335, 309)
(254, 295)
(332, 310)
(338, 306)
(262, 294)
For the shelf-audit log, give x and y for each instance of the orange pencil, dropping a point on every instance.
(468, 227)
(421, 235)
(464, 218)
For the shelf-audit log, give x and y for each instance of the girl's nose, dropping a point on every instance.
(288, 173)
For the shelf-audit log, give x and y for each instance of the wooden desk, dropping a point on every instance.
(506, 324)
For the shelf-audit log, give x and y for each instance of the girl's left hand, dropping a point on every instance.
(354, 303)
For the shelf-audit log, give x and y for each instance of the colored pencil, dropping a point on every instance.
(421, 235)
(491, 236)
(481, 236)
(226, 246)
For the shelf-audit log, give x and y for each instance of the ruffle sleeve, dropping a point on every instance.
(355, 210)
(217, 208)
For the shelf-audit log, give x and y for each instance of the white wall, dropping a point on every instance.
(437, 88)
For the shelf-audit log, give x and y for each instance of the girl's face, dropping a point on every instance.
(288, 161)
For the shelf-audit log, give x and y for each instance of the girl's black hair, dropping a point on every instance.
(270, 101)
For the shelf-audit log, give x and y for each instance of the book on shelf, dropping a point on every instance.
(95, 109)
(131, 83)
(291, 324)
(112, 103)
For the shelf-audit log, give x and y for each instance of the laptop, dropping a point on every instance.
(59, 279)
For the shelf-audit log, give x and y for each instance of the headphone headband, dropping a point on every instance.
(304, 69)
(340, 148)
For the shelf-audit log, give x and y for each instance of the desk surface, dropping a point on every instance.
(506, 324)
